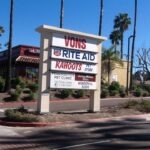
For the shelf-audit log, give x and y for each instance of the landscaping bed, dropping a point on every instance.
(130, 108)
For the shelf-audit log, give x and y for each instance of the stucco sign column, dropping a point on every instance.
(69, 60)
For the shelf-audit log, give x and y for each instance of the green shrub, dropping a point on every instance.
(104, 93)
(130, 104)
(14, 95)
(65, 93)
(18, 89)
(17, 81)
(17, 116)
(146, 106)
(145, 93)
(114, 86)
(2, 84)
(78, 94)
(122, 92)
(138, 92)
(113, 92)
(33, 87)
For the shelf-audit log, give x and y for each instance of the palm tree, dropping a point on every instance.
(109, 61)
(101, 18)
(61, 13)
(1, 31)
(133, 43)
(8, 80)
(121, 23)
(115, 38)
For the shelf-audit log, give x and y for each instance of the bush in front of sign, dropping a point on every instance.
(78, 94)
(65, 93)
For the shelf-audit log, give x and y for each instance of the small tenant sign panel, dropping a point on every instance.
(72, 81)
(73, 66)
(74, 55)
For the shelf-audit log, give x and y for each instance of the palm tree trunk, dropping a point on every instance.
(101, 19)
(8, 80)
(61, 13)
(133, 43)
(121, 44)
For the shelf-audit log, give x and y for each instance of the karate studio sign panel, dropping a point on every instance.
(72, 81)
(76, 55)
(72, 66)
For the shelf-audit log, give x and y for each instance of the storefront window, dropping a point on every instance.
(31, 73)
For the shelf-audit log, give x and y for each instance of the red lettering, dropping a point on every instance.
(57, 64)
(83, 43)
(75, 42)
(67, 41)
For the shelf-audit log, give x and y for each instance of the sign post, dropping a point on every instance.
(69, 60)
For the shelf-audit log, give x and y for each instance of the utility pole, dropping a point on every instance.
(127, 82)
(133, 43)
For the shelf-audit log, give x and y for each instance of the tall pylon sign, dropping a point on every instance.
(69, 60)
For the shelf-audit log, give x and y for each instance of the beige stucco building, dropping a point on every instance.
(119, 74)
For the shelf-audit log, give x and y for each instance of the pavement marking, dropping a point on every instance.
(84, 144)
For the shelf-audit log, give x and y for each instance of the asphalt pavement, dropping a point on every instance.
(115, 133)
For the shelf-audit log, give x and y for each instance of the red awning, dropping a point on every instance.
(28, 59)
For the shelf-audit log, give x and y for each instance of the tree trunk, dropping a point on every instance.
(8, 80)
(101, 19)
(133, 43)
(61, 13)
(121, 45)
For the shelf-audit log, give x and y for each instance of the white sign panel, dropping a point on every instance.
(69, 81)
(72, 66)
(74, 55)
(74, 42)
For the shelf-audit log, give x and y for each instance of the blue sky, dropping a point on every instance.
(80, 15)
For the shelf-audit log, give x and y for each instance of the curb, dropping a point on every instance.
(32, 124)
(145, 117)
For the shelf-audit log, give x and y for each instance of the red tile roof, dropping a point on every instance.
(28, 59)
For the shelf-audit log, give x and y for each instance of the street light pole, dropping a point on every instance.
(127, 82)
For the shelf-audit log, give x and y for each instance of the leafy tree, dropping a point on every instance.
(121, 23)
(115, 38)
(109, 61)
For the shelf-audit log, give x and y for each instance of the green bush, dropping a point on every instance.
(145, 93)
(2, 84)
(122, 92)
(130, 104)
(14, 95)
(18, 89)
(78, 94)
(146, 106)
(33, 87)
(17, 81)
(114, 86)
(104, 93)
(113, 92)
(17, 116)
(138, 92)
(65, 93)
